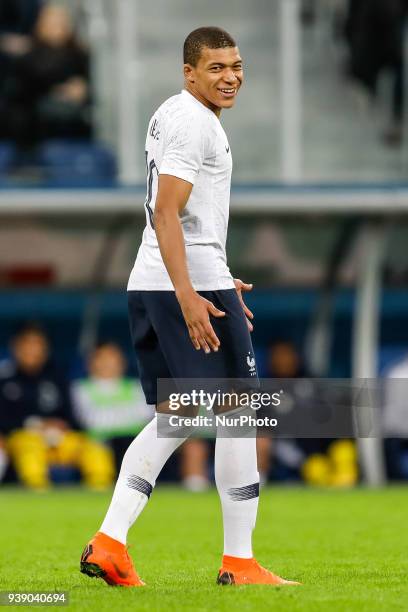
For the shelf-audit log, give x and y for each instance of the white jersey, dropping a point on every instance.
(186, 139)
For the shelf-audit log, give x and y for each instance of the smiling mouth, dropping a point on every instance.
(228, 92)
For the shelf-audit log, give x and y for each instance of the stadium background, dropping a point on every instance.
(318, 209)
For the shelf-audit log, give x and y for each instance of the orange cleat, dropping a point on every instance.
(248, 571)
(106, 558)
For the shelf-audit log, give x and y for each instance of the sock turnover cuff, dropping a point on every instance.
(107, 541)
(236, 563)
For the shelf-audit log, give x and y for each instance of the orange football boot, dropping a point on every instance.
(106, 558)
(247, 571)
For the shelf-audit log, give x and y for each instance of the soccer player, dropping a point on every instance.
(187, 315)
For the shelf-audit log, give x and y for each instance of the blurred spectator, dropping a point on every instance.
(395, 420)
(112, 409)
(283, 361)
(36, 418)
(375, 34)
(17, 20)
(109, 406)
(319, 462)
(50, 97)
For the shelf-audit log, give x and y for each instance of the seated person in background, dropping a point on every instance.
(17, 19)
(109, 406)
(283, 361)
(395, 420)
(375, 32)
(52, 91)
(36, 420)
(320, 462)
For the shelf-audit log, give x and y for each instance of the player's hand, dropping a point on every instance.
(196, 312)
(240, 286)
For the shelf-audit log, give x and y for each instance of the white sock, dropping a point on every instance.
(141, 465)
(237, 480)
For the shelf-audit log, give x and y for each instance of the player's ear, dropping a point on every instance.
(188, 73)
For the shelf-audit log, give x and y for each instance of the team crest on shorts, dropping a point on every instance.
(251, 364)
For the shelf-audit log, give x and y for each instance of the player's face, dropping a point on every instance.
(216, 78)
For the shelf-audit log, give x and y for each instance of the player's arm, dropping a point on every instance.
(172, 197)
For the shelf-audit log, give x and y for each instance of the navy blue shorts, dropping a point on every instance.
(164, 349)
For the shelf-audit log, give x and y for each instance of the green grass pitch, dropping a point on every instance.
(348, 548)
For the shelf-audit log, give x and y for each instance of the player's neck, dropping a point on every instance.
(215, 109)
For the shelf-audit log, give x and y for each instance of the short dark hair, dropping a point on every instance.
(208, 36)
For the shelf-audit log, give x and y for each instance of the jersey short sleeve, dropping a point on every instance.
(184, 148)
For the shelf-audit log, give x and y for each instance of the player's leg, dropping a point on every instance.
(237, 480)
(141, 463)
(236, 469)
(147, 454)
(164, 351)
(106, 555)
